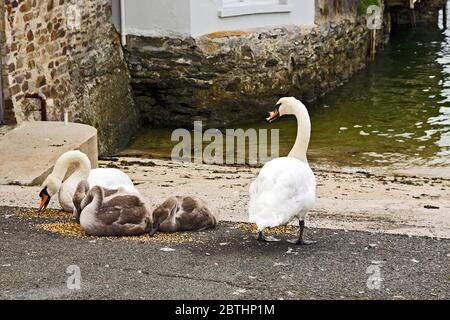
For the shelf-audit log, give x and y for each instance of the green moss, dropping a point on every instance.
(364, 4)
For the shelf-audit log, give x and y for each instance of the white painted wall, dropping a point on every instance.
(115, 16)
(157, 17)
(205, 18)
(199, 17)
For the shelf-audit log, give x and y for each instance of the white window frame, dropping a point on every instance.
(248, 7)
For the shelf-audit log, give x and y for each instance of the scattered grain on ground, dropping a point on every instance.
(73, 229)
(48, 213)
(249, 227)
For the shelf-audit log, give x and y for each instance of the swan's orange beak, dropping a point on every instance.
(273, 115)
(44, 202)
(45, 199)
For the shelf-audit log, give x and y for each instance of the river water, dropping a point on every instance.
(395, 113)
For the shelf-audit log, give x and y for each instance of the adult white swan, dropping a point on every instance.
(56, 182)
(285, 187)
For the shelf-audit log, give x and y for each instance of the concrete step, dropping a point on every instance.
(28, 152)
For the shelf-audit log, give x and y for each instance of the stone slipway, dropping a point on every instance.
(377, 202)
(28, 152)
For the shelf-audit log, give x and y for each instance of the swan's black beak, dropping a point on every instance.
(76, 213)
(45, 199)
(154, 229)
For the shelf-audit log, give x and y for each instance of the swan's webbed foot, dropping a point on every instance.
(263, 238)
(300, 241)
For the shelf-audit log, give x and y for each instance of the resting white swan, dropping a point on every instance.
(285, 187)
(55, 183)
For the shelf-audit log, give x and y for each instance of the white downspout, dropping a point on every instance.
(123, 35)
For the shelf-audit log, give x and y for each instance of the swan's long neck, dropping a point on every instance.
(93, 200)
(301, 144)
(68, 186)
(80, 193)
(66, 160)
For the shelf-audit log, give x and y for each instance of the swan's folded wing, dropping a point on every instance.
(136, 215)
(111, 178)
(123, 209)
(285, 188)
(108, 216)
(253, 189)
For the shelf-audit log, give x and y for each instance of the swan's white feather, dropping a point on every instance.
(284, 189)
(104, 177)
(111, 178)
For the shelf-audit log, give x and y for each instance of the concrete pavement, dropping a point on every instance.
(225, 263)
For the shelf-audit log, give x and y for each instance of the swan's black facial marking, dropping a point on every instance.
(154, 229)
(42, 192)
(45, 199)
(275, 114)
(159, 215)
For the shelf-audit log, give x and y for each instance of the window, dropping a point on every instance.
(231, 8)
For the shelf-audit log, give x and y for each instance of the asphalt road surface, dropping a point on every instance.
(224, 263)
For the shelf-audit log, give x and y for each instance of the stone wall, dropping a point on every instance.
(8, 115)
(234, 76)
(2, 55)
(335, 10)
(425, 12)
(65, 56)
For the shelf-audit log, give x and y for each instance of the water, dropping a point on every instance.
(395, 113)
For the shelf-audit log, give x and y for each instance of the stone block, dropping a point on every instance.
(30, 150)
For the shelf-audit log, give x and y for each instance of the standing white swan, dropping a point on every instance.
(285, 187)
(56, 182)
